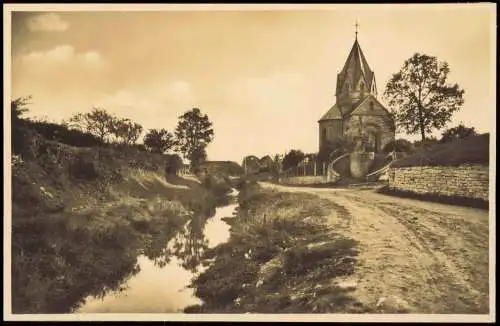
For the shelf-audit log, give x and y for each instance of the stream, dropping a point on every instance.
(162, 287)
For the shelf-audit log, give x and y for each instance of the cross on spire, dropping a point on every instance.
(356, 25)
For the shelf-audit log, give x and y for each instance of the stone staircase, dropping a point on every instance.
(378, 166)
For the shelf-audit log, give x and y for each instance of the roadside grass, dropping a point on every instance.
(449, 200)
(281, 258)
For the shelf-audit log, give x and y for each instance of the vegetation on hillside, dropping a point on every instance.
(82, 215)
(474, 149)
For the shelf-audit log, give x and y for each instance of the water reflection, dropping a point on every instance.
(166, 269)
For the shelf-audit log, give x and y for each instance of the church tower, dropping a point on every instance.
(355, 81)
(357, 114)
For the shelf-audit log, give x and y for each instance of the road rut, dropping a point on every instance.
(426, 257)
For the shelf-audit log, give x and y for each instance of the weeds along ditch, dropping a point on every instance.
(81, 217)
(281, 257)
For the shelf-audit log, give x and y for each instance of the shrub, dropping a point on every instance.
(63, 134)
(84, 168)
(173, 163)
(399, 145)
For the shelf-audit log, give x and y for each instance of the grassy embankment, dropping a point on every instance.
(81, 216)
(281, 258)
(471, 150)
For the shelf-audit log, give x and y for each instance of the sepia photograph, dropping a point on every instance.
(250, 162)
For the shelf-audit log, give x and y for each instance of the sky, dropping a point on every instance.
(263, 77)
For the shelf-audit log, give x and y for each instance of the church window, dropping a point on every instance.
(362, 89)
(323, 134)
(371, 106)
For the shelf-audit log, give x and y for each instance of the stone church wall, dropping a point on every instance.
(333, 130)
(469, 181)
(354, 126)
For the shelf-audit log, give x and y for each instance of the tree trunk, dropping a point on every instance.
(421, 122)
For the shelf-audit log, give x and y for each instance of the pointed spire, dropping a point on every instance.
(355, 68)
(356, 25)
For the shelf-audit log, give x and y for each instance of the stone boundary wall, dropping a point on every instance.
(470, 181)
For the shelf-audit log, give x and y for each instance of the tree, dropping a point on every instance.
(159, 140)
(420, 95)
(126, 130)
(292, 159)
(19, 107)
(193, 133)
(97, 122)
(198, 156)
(251, 164)
(458, 132)
(277, 164)
(21, 137)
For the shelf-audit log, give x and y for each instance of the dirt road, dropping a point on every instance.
(415, 256)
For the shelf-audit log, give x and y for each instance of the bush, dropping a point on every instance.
(84, 168)
(21, 139)
(63, 134)
(173, 163)
(399, 145)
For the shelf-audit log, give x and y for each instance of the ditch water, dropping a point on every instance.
(161, 286)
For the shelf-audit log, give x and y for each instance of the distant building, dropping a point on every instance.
(357, 115)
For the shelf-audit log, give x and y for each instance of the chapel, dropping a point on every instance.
(357, 115)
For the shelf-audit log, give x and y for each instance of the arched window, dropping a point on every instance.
(323, 134)
(371, 106)
(362, 89)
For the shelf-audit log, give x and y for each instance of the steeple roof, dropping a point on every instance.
(356, 67)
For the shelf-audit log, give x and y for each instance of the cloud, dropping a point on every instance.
(49, 22)
(62, 54)
(92, 57)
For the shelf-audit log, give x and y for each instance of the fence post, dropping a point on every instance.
(314, 168)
